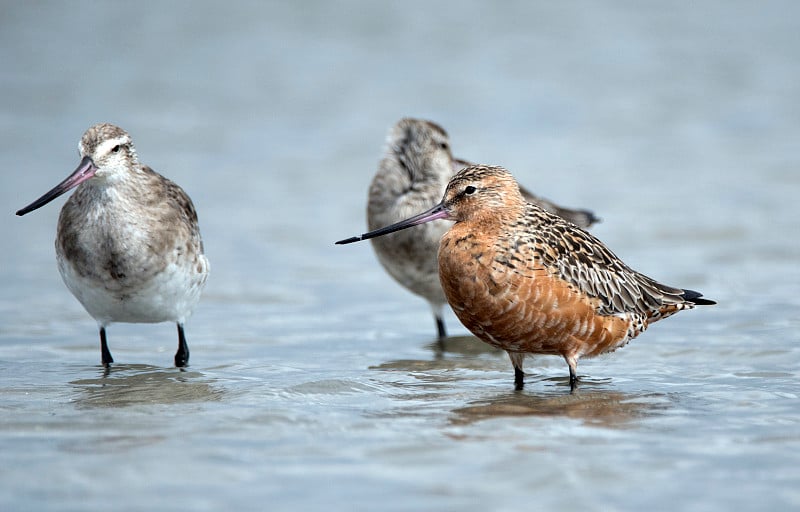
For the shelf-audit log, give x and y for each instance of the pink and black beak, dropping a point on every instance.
(437, 212)
(85, 170)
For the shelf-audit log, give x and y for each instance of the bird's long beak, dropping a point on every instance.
(437, 212)
(85, 170)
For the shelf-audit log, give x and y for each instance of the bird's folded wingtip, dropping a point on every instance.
(697, 298)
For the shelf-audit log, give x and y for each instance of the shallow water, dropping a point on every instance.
(315, 382)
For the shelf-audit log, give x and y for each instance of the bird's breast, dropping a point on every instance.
(503, 293)
(108, 244)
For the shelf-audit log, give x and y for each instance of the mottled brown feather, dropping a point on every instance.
(528, 281)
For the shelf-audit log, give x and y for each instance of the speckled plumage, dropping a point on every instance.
(128, 244)
(411, 177)
(529, 282)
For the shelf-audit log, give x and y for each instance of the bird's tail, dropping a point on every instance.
(696, 298)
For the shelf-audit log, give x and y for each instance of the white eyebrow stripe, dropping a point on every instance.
(106, 145)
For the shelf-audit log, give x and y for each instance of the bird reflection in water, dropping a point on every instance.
(137, 384)
(600, 408)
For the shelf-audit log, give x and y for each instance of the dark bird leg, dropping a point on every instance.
(105, 354)
(440, 329)
(519, 378)
(182, 355)
(441, 336)
(517, 359)
(573, 373)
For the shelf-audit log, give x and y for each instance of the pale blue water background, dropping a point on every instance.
(314, 381)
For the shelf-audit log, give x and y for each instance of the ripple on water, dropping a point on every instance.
(137, 384)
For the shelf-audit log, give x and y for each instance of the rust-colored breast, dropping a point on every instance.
(504, 295)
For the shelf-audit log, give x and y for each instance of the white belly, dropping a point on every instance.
(168, 296)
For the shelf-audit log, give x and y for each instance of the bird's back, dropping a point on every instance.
(536, 283)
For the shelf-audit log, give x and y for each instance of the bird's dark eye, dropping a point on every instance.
(444, 145)
(115, 149)
(470, 190)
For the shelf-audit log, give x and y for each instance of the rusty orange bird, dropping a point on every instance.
(529, 282)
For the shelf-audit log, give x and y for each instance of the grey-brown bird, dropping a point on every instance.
(411, 177)
(128, 244)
